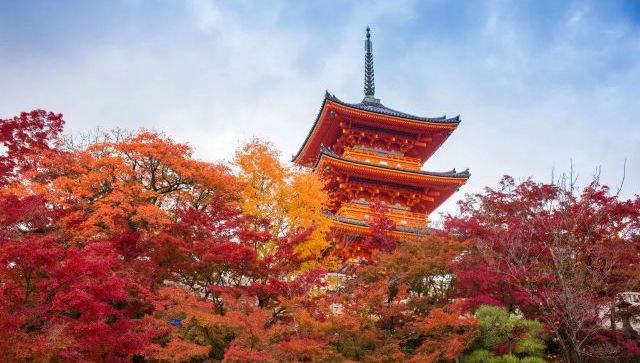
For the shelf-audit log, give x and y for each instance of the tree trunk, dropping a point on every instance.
(612, 315)
(569, 349)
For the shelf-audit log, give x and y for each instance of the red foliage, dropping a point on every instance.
(555, 255)
(61, 302)
(380, 229)
(26, 135)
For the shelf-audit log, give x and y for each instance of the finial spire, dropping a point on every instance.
(369, 85)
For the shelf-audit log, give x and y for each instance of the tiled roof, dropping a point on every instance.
(378, 107)
(449, 174)
(375, 107)
(362, 223)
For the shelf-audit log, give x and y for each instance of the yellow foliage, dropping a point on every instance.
(289, 196)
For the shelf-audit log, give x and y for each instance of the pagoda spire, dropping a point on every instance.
(369, 84)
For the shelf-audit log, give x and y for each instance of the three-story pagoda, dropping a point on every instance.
(370, 154)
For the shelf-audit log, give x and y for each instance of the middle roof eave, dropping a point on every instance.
(453, 175)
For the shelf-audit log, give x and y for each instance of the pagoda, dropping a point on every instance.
(370, 154)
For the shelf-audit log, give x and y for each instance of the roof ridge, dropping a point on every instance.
(379, 108)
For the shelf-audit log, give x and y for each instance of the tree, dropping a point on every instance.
(506, 337)
(61, 303)
(87, 234)
(555, 255)
(233, 297)
(24, 136)
(399, 306)
(57, 302)
(290, 197)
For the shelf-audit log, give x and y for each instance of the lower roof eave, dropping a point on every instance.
(362, 227)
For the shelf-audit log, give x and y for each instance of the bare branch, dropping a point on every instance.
(624, 174)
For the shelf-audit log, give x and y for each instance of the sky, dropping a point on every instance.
(540, 85)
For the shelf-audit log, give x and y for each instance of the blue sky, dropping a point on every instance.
(537, 83)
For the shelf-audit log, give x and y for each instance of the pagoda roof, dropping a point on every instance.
(378, 107)
(360, 224)
(325, 130)
(445, 183)
(451, 174)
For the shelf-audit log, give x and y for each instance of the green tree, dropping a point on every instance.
(506, 338)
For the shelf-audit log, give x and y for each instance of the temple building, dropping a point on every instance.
(370, 154)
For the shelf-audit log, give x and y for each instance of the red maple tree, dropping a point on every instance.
(556, 255)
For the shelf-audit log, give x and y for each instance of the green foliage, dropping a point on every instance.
(532, 360)
(478, 356)
(520, 340)
(506, 358)
(485, 356)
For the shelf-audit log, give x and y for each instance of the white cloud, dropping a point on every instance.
(224, 72)
(206, 13)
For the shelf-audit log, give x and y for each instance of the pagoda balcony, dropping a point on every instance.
(401, 217)
(387, 159)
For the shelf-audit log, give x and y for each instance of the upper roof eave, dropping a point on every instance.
(379, 108)
(376, 108)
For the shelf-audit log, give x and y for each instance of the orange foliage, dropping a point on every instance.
(181, 350)
(290, 197)
(448, 333)
(113, 185)
(393, 310)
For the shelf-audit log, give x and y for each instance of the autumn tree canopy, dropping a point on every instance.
(91, 234)
(127, 248)
(554, 254)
